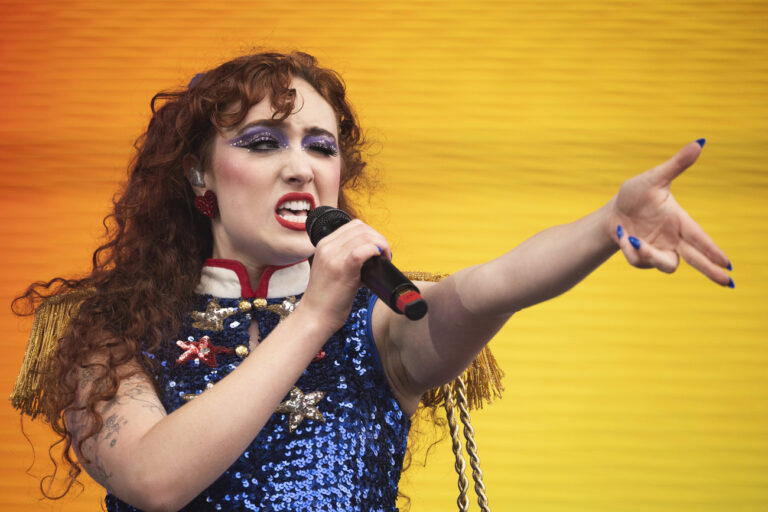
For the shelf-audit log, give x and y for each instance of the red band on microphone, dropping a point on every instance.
(406, 298)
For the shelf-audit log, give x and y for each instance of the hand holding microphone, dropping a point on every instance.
(378, 273)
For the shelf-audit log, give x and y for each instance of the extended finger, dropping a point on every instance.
(642, 254)
(701, 263)
(693, 234)
(663, 174)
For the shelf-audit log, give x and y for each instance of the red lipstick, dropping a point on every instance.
(302, 202)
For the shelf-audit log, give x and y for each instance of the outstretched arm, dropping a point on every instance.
(469, 307)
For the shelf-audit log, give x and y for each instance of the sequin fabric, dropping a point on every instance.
(348, 459)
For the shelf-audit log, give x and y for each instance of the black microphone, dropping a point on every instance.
(378, 273)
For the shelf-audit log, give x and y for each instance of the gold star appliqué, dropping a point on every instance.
(212, 319)
(282, 309)
(300, 406)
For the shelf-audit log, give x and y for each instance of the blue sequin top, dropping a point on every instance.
(338, 443)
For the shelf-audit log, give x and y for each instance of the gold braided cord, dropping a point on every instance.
(469, 435)
(51, 320)
(462, 501)
(480, 383)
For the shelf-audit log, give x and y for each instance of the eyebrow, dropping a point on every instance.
(319, 131)
(272, 123)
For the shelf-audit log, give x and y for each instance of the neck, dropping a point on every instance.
(254, 269)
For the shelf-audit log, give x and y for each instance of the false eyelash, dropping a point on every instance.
(324, 147)
(251, 143)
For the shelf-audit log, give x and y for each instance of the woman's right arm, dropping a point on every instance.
(159, 461)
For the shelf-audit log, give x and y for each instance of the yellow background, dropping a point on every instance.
(637, 391)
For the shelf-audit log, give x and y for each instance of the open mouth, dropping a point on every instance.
(292, 210)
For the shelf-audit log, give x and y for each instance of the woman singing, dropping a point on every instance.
(211, 368)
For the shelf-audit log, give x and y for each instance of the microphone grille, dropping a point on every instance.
(324, 220)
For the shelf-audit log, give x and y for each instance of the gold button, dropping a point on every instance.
(241, 351)
(244, 305)
(260, 303)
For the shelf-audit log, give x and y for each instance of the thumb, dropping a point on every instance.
(663, 174)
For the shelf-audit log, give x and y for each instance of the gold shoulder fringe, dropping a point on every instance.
(51, 320)
(482, 378)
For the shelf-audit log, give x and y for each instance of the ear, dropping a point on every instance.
(194, 173)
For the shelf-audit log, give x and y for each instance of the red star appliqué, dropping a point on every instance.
(202, 350)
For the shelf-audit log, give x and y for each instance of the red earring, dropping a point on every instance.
(207, 205)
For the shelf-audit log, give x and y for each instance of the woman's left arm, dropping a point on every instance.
(469, 307)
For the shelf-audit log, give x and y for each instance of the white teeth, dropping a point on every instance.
(294, 218)
(301, 204)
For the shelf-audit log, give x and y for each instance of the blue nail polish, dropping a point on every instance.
(701, 142)
(729, 267)
(635, 242)
(619, 232)
(379, 248)
(730, 283)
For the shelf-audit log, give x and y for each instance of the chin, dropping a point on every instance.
(293, 254)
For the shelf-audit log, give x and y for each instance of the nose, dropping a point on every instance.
(298, 168)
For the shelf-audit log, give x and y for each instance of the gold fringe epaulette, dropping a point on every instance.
(51, 320)
(482, 378)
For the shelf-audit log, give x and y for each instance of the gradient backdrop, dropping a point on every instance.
(637, 391)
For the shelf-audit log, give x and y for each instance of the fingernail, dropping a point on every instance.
(701, 142)
(730, 283)
(635, 242)
(729, 267)
(619, 232)
(379, 248)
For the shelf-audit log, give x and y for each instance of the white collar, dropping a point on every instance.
(229, 279)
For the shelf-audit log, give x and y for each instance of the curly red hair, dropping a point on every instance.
(144, 276)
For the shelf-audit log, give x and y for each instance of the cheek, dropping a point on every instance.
(230, 172)
(331, 187)
(240, 180)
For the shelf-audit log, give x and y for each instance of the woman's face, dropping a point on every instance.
(268, 174)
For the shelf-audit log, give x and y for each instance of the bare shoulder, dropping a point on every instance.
(107, 435)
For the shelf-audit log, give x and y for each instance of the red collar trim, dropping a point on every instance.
(242, 274)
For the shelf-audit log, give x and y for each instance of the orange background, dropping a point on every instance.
(637, 391)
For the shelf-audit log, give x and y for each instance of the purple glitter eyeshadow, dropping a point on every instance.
(322, 143)
(260, 135)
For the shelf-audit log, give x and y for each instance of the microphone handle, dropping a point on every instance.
(393, 287)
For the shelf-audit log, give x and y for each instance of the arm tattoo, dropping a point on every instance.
(132, 388)
(115, 401)
(148, 401)
(111, 428)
